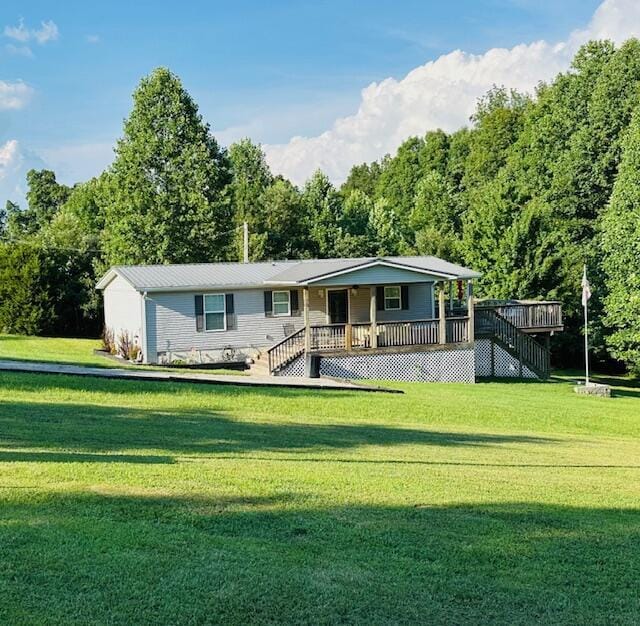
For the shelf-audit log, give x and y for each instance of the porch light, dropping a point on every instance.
(354, 290)
(320, 292)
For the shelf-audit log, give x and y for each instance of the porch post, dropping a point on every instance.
(442, 326)
(470, 312)
(373, 308)
(307, 327)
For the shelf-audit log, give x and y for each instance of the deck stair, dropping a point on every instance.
(522, 346)
(284, 352)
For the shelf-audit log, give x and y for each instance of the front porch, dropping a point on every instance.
(372, 329)
(410, 319)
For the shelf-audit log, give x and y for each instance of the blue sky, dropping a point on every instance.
(270, 70)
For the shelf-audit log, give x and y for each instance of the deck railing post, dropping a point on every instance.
(471, 313)
(307, 327)
(373, 309)
(442, 326)
(348, 336)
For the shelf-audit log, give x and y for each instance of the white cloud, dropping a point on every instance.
(15, 162)
(14, 95)
(440, 94)
(19, 32)
(48, 31)
(92, 38)
(23, 51)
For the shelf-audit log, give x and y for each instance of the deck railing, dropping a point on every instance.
(361, 336)
(457, 329)
(286, 350)
(414, 333)
(527, 315)
(329, 337)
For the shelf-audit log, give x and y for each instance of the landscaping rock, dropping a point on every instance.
(594, 389)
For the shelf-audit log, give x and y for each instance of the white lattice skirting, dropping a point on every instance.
(295, 368)
(458, 365)
(505, 365)
(432, 366)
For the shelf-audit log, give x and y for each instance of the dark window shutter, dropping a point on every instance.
(231, 314)
(295, 303)
(404, 292)
(380, 298)
(268, 303)
(199, 313)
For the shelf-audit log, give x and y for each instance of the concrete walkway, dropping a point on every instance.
(178, 377)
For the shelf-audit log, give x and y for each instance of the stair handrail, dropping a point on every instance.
(528, 351)
(285, 350)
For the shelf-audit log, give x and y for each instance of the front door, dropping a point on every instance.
(338, 306)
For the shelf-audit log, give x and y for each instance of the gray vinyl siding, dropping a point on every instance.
(378, 275)
(171, 323)
(420, 305)
(122, 308)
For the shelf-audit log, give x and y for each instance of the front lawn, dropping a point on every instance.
(128, 502)
(75, 352)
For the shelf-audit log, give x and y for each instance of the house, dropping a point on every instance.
(401, 318)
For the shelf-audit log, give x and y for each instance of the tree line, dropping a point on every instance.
(534, 187)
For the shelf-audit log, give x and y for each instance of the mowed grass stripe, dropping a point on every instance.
(493, 503)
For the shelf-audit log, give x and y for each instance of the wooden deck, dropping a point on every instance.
(529, 316)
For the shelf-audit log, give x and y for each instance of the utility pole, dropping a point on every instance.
(245, 231)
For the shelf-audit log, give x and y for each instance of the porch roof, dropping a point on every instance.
(310, 272)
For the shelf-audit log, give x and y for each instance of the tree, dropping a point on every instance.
(621, 247)
(25, 306)
(251, 179)
(397, 182)
(355, 238)
(282, 231)
(167, 201)
(3, 219)
(384, 229)
(435, 218)
(44, 197)
(321, 204)
(364, 178)
(15, 226)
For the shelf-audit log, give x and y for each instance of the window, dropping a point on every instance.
(214, 312)
(281, 303)
(392, 299)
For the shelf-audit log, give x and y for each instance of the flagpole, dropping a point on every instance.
(586, 344)
(586, 294)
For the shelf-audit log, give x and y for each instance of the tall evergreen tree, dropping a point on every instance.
(167, 201)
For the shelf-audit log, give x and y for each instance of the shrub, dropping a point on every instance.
(108, 343)
(124, 344)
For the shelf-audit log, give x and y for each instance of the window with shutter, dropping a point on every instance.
(281, 303)
(215, 312)
(392, 298)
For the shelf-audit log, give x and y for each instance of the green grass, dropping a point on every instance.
(126, 502)
(71, 351)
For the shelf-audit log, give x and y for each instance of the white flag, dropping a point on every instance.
(586, 288)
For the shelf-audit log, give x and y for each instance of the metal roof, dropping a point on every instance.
(309, 271)
(226, 275)
(184, 276)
